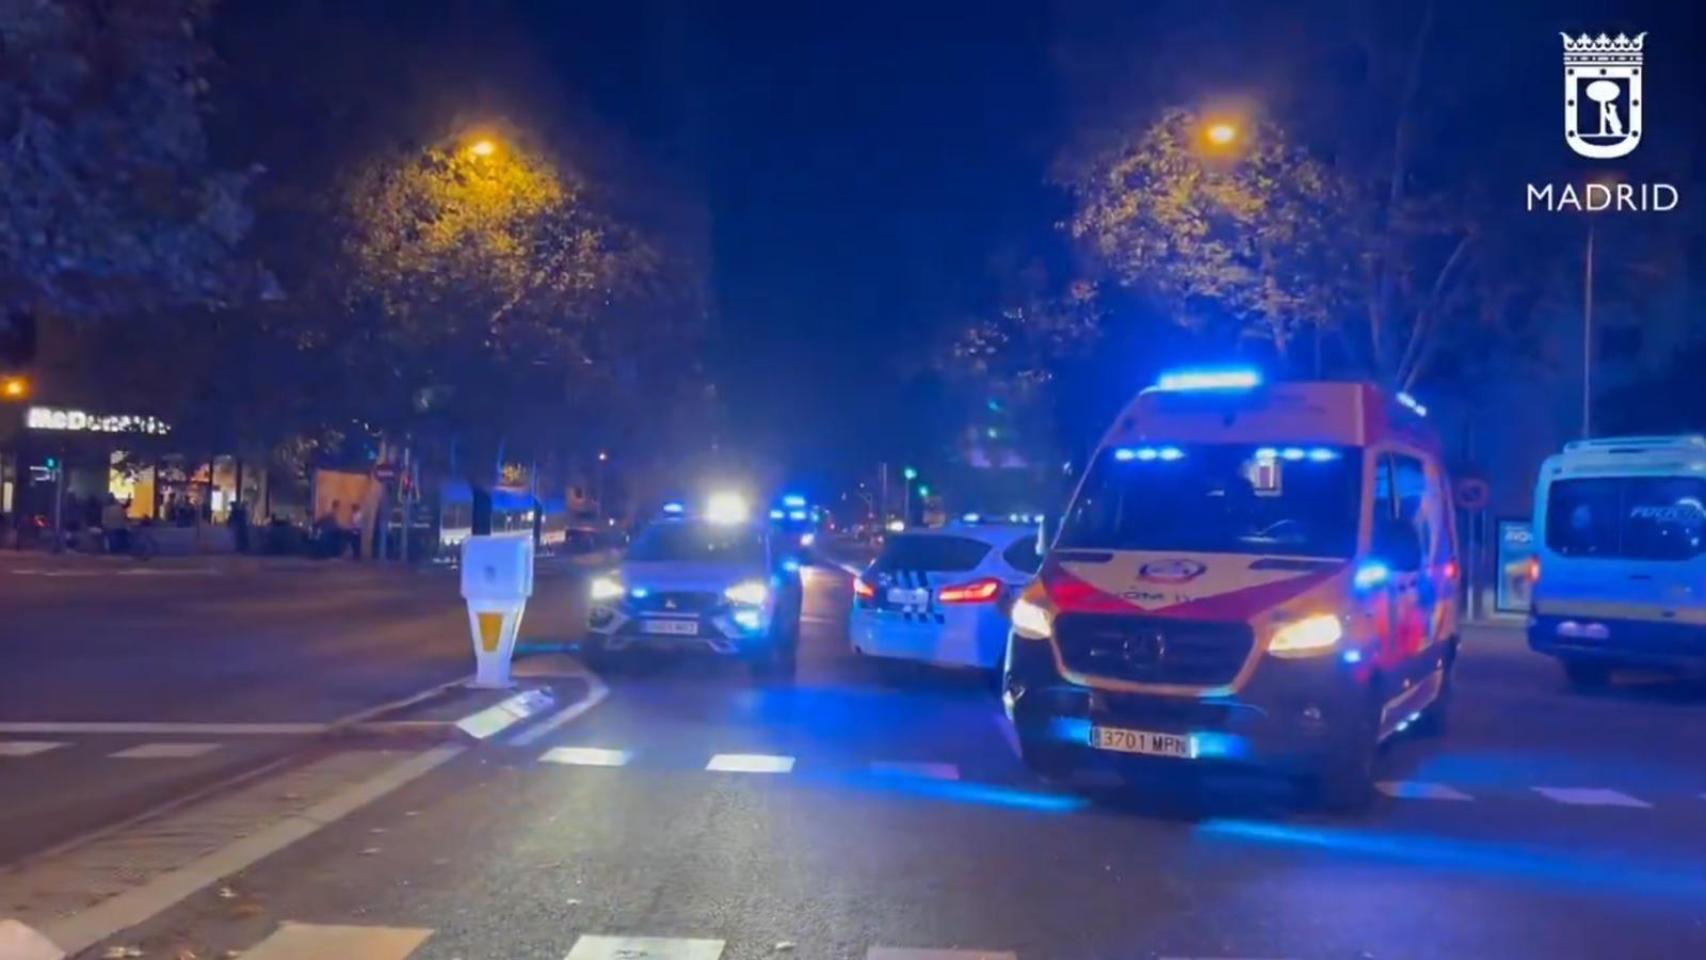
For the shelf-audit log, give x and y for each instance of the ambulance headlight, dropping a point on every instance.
(1308, 637)
(605, 589)
(1032, 620)
(751, 593)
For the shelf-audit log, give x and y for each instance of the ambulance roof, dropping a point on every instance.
(1298, 412)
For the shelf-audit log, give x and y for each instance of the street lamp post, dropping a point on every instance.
(598, 482)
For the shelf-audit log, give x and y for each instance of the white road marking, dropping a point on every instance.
(138, 903)
(28, 748)
(750, 763)
(907, 953)
(146, 728)
(1420, 790)
(495, 719)
(309, 941)
(929, 771)
(164, 751)
(1590, 797)
(595, 694)
(644, 948)
(19, 942)
(586, 756)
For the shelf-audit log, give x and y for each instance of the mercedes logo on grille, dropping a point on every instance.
(669, 603)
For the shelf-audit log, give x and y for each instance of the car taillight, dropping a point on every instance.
(977, 591)
(1451, 569)
(863, 590)
(1533, 569)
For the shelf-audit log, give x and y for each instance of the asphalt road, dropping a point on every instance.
(196, 671)
(893, 814)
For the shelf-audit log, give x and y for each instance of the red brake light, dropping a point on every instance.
(863, 590)
(977, 591)
(1533, 569)
(1451, 569)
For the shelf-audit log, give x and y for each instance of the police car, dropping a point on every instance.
(940, 595)
(714, 582)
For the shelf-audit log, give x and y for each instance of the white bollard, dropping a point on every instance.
(497, 579)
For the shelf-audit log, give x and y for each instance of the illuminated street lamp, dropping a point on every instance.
(14, 388)
(1221, 134)
(482, 147)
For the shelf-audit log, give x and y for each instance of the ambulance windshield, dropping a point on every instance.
(1219, 498)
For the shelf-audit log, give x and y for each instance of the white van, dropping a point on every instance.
(1620, 559)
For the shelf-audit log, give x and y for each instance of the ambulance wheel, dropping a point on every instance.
(1587, 674)
(1345, 781)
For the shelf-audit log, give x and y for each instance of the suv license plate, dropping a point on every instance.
(1121, 740)
(676, 628)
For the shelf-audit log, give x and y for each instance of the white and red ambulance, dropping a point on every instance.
(1248, 573)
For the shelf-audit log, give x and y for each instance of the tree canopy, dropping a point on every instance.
(110, 204)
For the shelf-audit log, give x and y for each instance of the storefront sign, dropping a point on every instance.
(1515, 587)
(80, 421)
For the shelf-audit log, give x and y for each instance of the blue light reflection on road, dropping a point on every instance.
(1652, 881)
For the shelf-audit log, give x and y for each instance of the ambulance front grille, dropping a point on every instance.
(1153, 650)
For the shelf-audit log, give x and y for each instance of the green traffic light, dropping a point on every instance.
(923, 490)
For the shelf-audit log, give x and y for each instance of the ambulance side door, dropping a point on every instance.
(1405, 534)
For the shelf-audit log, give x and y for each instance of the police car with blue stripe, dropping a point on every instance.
(940, 595)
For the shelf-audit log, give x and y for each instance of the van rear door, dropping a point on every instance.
(1631, 546)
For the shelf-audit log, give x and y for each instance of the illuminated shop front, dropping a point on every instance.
(88, 455)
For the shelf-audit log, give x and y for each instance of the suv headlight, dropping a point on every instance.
(1308, 637)
(605, 589)
(1032, 620)
(751, 593)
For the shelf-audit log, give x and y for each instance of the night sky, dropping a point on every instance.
(857, 177)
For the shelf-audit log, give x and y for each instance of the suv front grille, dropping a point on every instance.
(1153, 650)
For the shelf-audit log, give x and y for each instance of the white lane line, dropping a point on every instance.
(495, 719)
(586, 756)
(1590, 797)
(1420, 790)
(907, 953)
(164, 751)
(750, 763)
(928, 771)
(168, 729)
(596, 691)
(18, 942)
(310, 941)
(82, 930)
(28, 748)
(644, 948)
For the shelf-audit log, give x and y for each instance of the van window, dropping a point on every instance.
(1220, 498)
(1401, 493)
(1636, 518)
(932, 552)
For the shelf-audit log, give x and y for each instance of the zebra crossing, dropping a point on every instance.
(305, 941)
(147, 750)
(1404, 791)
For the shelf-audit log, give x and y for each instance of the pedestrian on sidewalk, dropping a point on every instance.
(115, 523)
(356, 529)
(237, 518)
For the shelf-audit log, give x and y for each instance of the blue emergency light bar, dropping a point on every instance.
(796, 515)
(1147, 454)
(674, 508)
(775, 514)
(1209, 378)
(1412, 404)
(793, 500)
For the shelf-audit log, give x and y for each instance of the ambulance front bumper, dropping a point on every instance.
(1284, 716)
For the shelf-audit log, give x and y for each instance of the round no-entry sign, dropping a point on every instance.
(1473, 493)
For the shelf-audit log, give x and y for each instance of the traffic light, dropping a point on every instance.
(923, 490)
